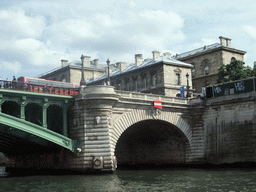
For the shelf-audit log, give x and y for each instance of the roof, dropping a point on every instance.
(75, 63)
(147, 63)
(199, 50)
(78, 63)
(202, 49)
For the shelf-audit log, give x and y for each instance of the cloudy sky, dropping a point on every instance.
(36, 35)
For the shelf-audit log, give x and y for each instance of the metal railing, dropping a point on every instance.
(13, 85)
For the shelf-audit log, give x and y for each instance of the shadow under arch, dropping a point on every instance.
(33, 113)
(55, 118)
(172, 119)
(11, 108)
(152, 142)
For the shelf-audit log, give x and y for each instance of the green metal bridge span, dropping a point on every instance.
(34, 119)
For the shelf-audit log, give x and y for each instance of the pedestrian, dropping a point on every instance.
(6, 84)
(14, 83)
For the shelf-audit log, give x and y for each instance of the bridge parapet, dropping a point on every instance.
(151, 97)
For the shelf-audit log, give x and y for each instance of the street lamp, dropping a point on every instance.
(82, 82)
(187, 85)
(108, 62)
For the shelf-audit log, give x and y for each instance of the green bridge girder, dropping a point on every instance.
(21, 128)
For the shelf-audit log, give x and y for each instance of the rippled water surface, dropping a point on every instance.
(139, 180)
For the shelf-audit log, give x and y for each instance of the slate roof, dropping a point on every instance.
(199, 50)
(146, 63)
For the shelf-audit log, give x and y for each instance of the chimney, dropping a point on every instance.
(156, 55)
(64, 63)
(86, 61)
(121, 65)
(167, 54)
(138, 59)
(225, 41)
(96, 62)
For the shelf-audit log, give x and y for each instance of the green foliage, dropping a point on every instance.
(235, 71)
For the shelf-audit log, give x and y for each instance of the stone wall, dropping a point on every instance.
(230, 134)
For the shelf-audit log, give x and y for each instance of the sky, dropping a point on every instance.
(36, 34)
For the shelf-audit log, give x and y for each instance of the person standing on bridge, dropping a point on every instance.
(14, 82)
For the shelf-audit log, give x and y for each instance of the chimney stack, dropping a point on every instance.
(225, 41)
(121, 65)
(86, 61)
(167, 54)
(96, 62)
(156, 55)
(64, 63)
(138, 59)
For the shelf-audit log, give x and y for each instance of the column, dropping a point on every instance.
(45, 106)
(65, 126)
(23, 104)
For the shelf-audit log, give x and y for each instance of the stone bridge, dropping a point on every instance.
(118, 127)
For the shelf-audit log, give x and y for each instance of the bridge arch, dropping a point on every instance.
(170, 123)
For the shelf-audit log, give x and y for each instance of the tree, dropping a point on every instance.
(234, 71)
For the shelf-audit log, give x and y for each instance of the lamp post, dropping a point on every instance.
(187, 85)
(82, 82)
(108, 62)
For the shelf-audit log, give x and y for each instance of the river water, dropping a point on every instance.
(185, 179)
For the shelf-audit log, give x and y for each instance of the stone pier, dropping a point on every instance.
(92, 116)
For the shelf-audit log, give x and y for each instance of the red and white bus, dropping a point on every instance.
(47, 86)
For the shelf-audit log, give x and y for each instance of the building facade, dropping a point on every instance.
(160, 75)
(71, 72)
(207, 60)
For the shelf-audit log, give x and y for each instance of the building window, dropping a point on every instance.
(177, 79)
(153, 77)
(127, 87)
(144, 82)
(193, 70)
(206, 66)
(233, 59)
(118, 82)
(63, 78)
(136, 85)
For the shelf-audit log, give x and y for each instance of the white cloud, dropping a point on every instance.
(15, 24)
(40, 33)
(250, 30)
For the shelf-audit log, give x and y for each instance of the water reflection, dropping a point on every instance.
(140, 180)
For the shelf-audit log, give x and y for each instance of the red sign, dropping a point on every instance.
(158, 104)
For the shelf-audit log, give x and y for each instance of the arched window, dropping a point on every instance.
(233, 59)
(206, 66)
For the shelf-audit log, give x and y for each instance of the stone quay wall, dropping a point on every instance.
(229, 129)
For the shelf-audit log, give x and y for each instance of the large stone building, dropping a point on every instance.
(160, 75)
(207, 60)
(71, 72)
